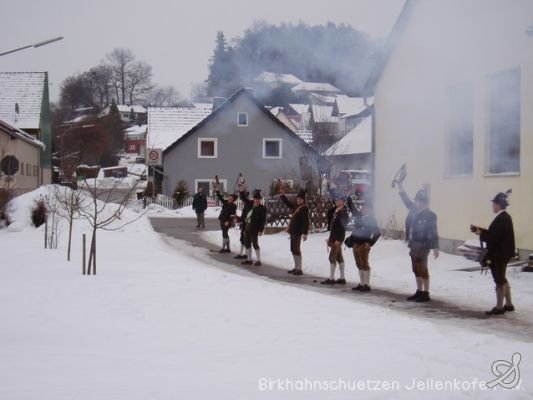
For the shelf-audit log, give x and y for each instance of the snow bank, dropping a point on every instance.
(164, 321)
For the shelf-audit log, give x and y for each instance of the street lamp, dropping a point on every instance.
(39, 44)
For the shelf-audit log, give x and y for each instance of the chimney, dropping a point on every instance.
(217, 102)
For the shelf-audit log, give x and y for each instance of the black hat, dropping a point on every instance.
(339, 196)
(235, 197)
(501, 199)
(301, 194)
(422, 196)
(257, 194)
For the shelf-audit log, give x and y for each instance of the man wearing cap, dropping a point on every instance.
(501, 248)
(247, 206)
(255, 220)
(298, 228)
(422, 237)
(229, 210)
(335, 241)
(365, 234)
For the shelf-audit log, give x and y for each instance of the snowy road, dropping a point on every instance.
(182, 229)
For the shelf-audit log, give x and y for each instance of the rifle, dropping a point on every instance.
(400, 175)
(239, 182)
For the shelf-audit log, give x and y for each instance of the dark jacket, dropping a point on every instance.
(339, 223)
(199, 203)
(365, 227)
(424, 234)
(299, 223)
(247, 206)
(258, 219)
(410, 216)
(228, 210)
(500, 237)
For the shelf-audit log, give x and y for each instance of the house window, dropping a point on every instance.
(28, 173)
(242, 119)
(22, 168)
(272, 148)
(207, 148)
(504, 123)
(461, 130)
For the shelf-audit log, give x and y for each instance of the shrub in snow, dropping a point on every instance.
(181, 192)
(39, 212)
(5, 197)
(149, 191)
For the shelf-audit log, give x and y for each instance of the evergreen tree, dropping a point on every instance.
(223, 77)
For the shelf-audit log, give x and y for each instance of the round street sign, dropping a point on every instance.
(9, 165)
(153, 155)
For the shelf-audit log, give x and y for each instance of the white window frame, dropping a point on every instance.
(210, 181)
(200, 140)
(280, 148)
(239, 120)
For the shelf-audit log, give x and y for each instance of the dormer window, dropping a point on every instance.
(242, 119)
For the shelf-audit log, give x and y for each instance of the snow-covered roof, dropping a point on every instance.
(323, 114)
(20, 134)
(350, 105)
(273, 77)
(300, 108)
(357, 141)
(167, 124)
(318, 98)
(275, 110)
(306, 136)
(315, 87)
(135, 130)
(136, 108)
(206, 106)
(22, 92)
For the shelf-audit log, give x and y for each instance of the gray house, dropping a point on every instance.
(241, 135)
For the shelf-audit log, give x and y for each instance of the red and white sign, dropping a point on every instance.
(154, 157)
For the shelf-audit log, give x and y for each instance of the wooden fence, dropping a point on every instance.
(278, 214)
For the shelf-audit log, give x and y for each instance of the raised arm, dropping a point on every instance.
(287, 202)
(220, 197)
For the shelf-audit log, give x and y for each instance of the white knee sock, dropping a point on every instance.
(297, 262)
(341, 269)
(258, 254)
(332, 271)
(425, 284)
(367, 277)
(508, 299)
(241, 253)
(419, 284)
(249, 254)
(361, 277)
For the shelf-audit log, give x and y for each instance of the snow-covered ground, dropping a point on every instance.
(167, 322)
(391, 270)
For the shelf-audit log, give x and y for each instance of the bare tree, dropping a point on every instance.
(99, 212)
(69, 201)
(164, 96)
(120, 61)
(101, 81)
(138, 80)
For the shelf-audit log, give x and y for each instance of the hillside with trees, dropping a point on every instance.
(334, 53)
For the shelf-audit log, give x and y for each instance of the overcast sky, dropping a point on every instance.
(175, 37)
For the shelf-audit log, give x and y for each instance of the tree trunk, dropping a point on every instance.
(70, 223)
